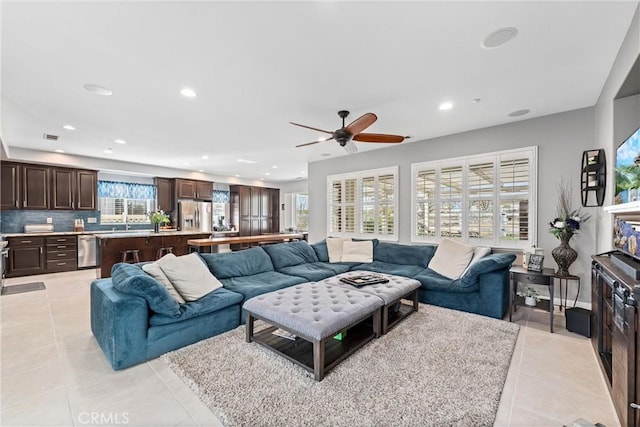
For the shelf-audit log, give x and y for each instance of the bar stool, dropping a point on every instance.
(163, 251)
(135, 256)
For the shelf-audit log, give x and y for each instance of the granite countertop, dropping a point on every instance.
(108, 234)
(145, 233)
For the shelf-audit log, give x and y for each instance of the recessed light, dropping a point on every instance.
(200, 170)
(267, 173)
(205, 157)
(186, 163)
(499, 37)
(120, 141)
(274, 167)
(476, 100)
(325, 154)
(302, 172)
(98, 90)
(446, 106)
(237, 176)
(247, 161)
(261, 179)
(68, 127)
(59, 151)
(188, 93)
(519, 113)
(108, 151)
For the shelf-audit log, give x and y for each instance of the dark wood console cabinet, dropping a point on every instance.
(254, 210)
(614, 325)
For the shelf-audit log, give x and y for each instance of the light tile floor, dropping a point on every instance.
(52, 372)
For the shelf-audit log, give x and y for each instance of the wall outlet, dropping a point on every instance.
(92, 220)
(49, 220)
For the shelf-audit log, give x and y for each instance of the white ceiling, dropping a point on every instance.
(257, 66)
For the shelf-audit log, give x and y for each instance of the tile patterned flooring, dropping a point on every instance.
(53, 373)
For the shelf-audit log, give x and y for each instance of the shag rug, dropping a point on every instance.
(438, 367)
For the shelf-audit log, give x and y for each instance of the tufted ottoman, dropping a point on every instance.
(392, 293)
(315, 313)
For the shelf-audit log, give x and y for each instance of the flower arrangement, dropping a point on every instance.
(158, 217)
(567, 221)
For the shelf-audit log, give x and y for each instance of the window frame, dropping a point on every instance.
(359, 204)
(496, 158)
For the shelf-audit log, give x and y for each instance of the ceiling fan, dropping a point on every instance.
(353, 132)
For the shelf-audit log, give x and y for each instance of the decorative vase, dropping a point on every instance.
(564, 255)
(156, 227)
(530, 301)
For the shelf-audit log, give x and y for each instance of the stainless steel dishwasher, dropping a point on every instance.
(86, 250)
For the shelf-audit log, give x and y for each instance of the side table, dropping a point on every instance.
(566, 288)
(522, 275)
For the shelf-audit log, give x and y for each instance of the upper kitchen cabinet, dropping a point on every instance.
(35, 187)
(10, 187)
(73, 189)
(86, 189)
(191, 189)
(164, 194)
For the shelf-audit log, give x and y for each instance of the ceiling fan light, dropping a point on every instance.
(350, 147)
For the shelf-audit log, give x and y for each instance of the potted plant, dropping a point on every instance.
(531, 296)
(157, 218)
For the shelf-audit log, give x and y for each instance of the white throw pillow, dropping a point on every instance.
(190, 276)
(334, 248)
(357, 251)
(479, 252)
(154, 270)
(451, 258)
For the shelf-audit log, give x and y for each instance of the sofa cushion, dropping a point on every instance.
(320, 248)
(153, 268)
(250, 286)
(432, 281)
(395, 253)
(487, 264)
(131, 279)
(237, 264)
(479, 252)
(338, 267)
(451, 258)
(389, 268)
(312, 272)
(357, 251)
(213, 301)
(190, 276)
(334, 248)
(289, 254)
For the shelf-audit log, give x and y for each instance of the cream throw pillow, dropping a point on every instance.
(190, 276)
(451, 258)
(479, 252)
(334, 248)
(154, 270)
(357, 251)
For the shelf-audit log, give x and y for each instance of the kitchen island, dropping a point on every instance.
(111, 245)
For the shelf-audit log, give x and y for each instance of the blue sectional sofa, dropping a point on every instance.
(134, 318)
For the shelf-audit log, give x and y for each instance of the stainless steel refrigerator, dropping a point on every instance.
(194, 216)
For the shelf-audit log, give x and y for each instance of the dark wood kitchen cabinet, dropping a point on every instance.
(195, 190)
(164, 194)
(35, 187)
(26, 256)
(10, 187)
(73, 189)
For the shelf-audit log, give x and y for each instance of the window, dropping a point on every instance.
(301, 213)
(482, 200)
(363, 204)
(125, 203)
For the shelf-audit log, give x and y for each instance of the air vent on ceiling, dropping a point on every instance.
(50, 137)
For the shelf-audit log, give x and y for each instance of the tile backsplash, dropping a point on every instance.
(13, 221)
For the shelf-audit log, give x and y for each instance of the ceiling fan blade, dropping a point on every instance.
(378, 137)
(314, 142)
(309, 127)
(361, 123)
(350, 147)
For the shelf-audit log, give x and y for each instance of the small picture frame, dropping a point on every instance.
(535, 263)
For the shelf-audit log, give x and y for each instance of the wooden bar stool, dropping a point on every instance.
(163, 251)
(131, 256)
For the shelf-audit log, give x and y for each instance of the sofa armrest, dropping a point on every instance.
(488, 264)
(119, 322)
(492, 275)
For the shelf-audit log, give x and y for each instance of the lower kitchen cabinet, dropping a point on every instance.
(61, 253)
(26, 256)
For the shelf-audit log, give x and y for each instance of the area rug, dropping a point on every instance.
(25, 287)
(438, 367)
